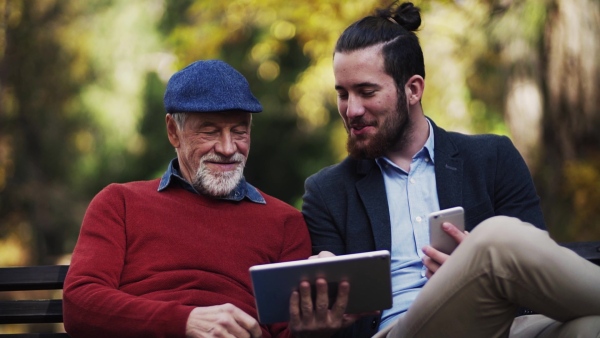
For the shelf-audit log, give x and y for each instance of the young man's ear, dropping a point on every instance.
(172, 131)
(414, 89)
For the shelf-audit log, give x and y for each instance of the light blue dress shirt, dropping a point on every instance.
(411, 197)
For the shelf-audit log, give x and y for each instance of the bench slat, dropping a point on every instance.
(587, 250)
(35, 335)
(31, 311)
(46, 277)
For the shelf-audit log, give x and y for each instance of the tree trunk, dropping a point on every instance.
(570, 180)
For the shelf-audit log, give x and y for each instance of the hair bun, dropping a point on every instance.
(407, 16)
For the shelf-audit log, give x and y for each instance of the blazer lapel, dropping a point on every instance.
(448, 170)
(371, 190)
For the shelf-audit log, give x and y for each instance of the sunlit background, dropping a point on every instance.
(81, 86)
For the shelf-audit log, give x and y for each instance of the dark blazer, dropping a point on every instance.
(346, 209)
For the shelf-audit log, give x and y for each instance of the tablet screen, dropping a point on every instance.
(368, 274)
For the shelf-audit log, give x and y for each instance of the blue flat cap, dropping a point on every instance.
(209, 86)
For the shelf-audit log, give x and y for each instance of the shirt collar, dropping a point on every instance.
(173, 177)
(426, 151)
(428, 147)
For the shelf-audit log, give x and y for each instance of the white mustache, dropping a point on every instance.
(212, 157)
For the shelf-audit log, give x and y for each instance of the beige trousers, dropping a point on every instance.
(503, 264)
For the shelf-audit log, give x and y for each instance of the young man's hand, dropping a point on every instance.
(434, 259)
(318, 320)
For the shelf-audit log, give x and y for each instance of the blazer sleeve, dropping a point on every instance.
(322, 227)
(515, 193)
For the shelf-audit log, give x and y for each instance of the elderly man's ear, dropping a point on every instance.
(172, 131)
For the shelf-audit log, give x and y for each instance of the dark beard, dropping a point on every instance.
(395, 131)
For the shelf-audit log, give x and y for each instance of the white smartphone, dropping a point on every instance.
(438, 238)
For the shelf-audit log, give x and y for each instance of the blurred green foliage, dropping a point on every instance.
(81, 85)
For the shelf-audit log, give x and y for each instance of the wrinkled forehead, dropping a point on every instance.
(231, 117)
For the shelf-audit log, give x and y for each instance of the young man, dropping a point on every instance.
(169, 257)
(401, 168)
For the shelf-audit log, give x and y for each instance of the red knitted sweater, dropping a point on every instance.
(144, 259)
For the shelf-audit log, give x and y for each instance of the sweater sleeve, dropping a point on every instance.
(93, 304)
(295, 246)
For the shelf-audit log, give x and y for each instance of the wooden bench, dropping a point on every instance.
(31, 311)
(587, 250)
(52, 278)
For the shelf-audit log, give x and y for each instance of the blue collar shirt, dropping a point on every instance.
(411, 197)
(173, 177)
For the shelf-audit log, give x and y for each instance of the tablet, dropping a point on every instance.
(368, 274)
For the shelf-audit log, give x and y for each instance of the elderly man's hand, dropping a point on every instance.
(434, 259)
(221, 321)
(322, 254)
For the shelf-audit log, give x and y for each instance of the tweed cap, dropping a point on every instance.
(209, 86)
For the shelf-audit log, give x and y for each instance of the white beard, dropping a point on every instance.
(218, 184)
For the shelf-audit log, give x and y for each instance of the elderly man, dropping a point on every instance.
(169, 257)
